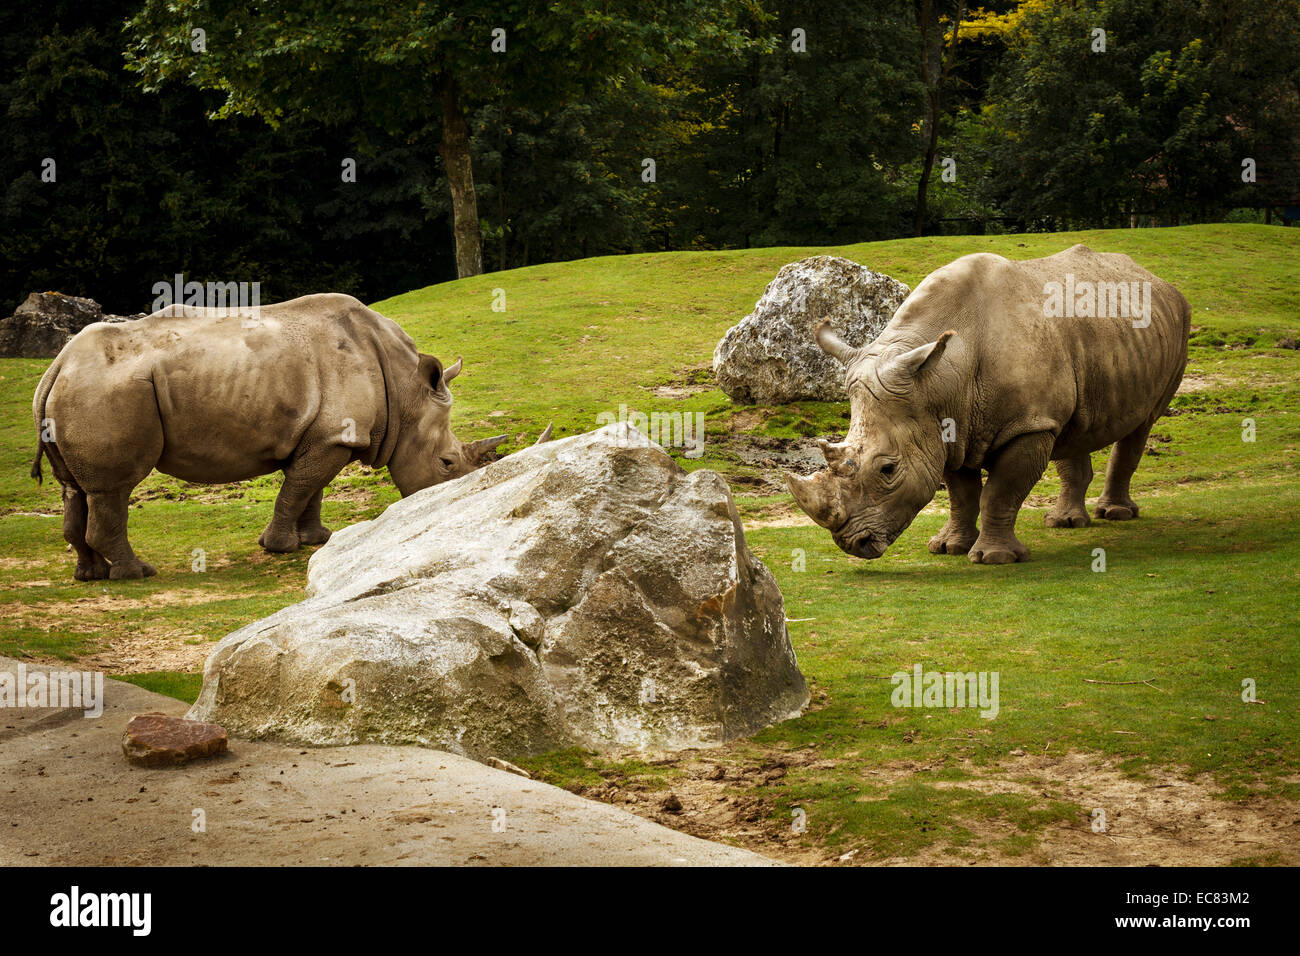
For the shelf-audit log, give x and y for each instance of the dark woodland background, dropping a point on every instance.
(225, 165)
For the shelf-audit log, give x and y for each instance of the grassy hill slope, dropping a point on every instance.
(1198, 594)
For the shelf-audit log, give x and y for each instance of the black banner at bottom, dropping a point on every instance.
(304, 905)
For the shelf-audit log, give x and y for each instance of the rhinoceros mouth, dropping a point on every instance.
(867, 546)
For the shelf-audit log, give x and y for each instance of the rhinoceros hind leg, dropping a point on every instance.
(310, 529)
(1017, 467)
(106, 533)
(1071, 508)
(1115, 504)
(91, 565)
(960, 531)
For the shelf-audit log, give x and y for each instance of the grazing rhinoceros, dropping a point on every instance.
(207, 395)
(999, 365)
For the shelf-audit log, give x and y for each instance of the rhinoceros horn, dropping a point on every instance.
(545, 436)
(818, 497)
(833, 345)
(831, 451)
(450, 373)
(481, 451)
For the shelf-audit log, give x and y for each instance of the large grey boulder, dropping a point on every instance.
(47, 321)
(587, 592)
(770, 357)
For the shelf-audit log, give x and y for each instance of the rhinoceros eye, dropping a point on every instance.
(888, 469)
(446, 462)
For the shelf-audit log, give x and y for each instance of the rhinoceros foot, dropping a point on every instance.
(997, 551)
(125, 570)
(318, 535)
(952, 541)
(279, 542)
(95, 570)
(1116, 510)
(1067, 518)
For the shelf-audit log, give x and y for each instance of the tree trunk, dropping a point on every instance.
(502, 243)
(454, 149)
(934, 70)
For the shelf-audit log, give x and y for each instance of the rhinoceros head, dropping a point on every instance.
(427, 453)
(891, 462)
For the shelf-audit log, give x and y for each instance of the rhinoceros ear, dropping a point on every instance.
(899, 372)
(430, 370)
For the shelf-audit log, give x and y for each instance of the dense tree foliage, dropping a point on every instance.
(405, 63)
(136, 148)
(1111, 109)
(146, 186)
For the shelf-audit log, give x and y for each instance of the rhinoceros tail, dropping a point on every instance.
(38, 411)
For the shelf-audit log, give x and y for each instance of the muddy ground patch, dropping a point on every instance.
(1164, 818)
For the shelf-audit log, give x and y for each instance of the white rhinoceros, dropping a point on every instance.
(999, 365)
(211, 395)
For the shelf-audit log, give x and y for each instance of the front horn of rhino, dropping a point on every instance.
(818, 497)
(483, 451)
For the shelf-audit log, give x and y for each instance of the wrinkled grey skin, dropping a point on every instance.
(972, 345)
(305, 388)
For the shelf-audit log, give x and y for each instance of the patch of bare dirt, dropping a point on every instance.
(204, 494)
(122, 648)
(138, 651)
(790, 517)
(1167, 820)
(92, 605)
(1196, 383)
(772, 457)
(744, 420)
(155, 649)
(17, 564)
(678, 391)
(356, 494)
(778, 453)
(692, 381)
(716, 801)
(1258, 375)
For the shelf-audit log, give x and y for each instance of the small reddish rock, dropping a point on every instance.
(156, 740)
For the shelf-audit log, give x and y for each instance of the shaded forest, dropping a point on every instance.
(333, 146)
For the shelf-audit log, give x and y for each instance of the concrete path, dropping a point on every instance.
(68, 797)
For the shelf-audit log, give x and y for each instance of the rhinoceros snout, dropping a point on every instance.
(867, 546)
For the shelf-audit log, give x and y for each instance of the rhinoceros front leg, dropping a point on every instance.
(304, 482)
(1017, 467)
(106, 514)
(959, 532)
(1115, 504)
(1071, 508)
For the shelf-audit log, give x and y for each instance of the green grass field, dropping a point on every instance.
(1198, 595)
